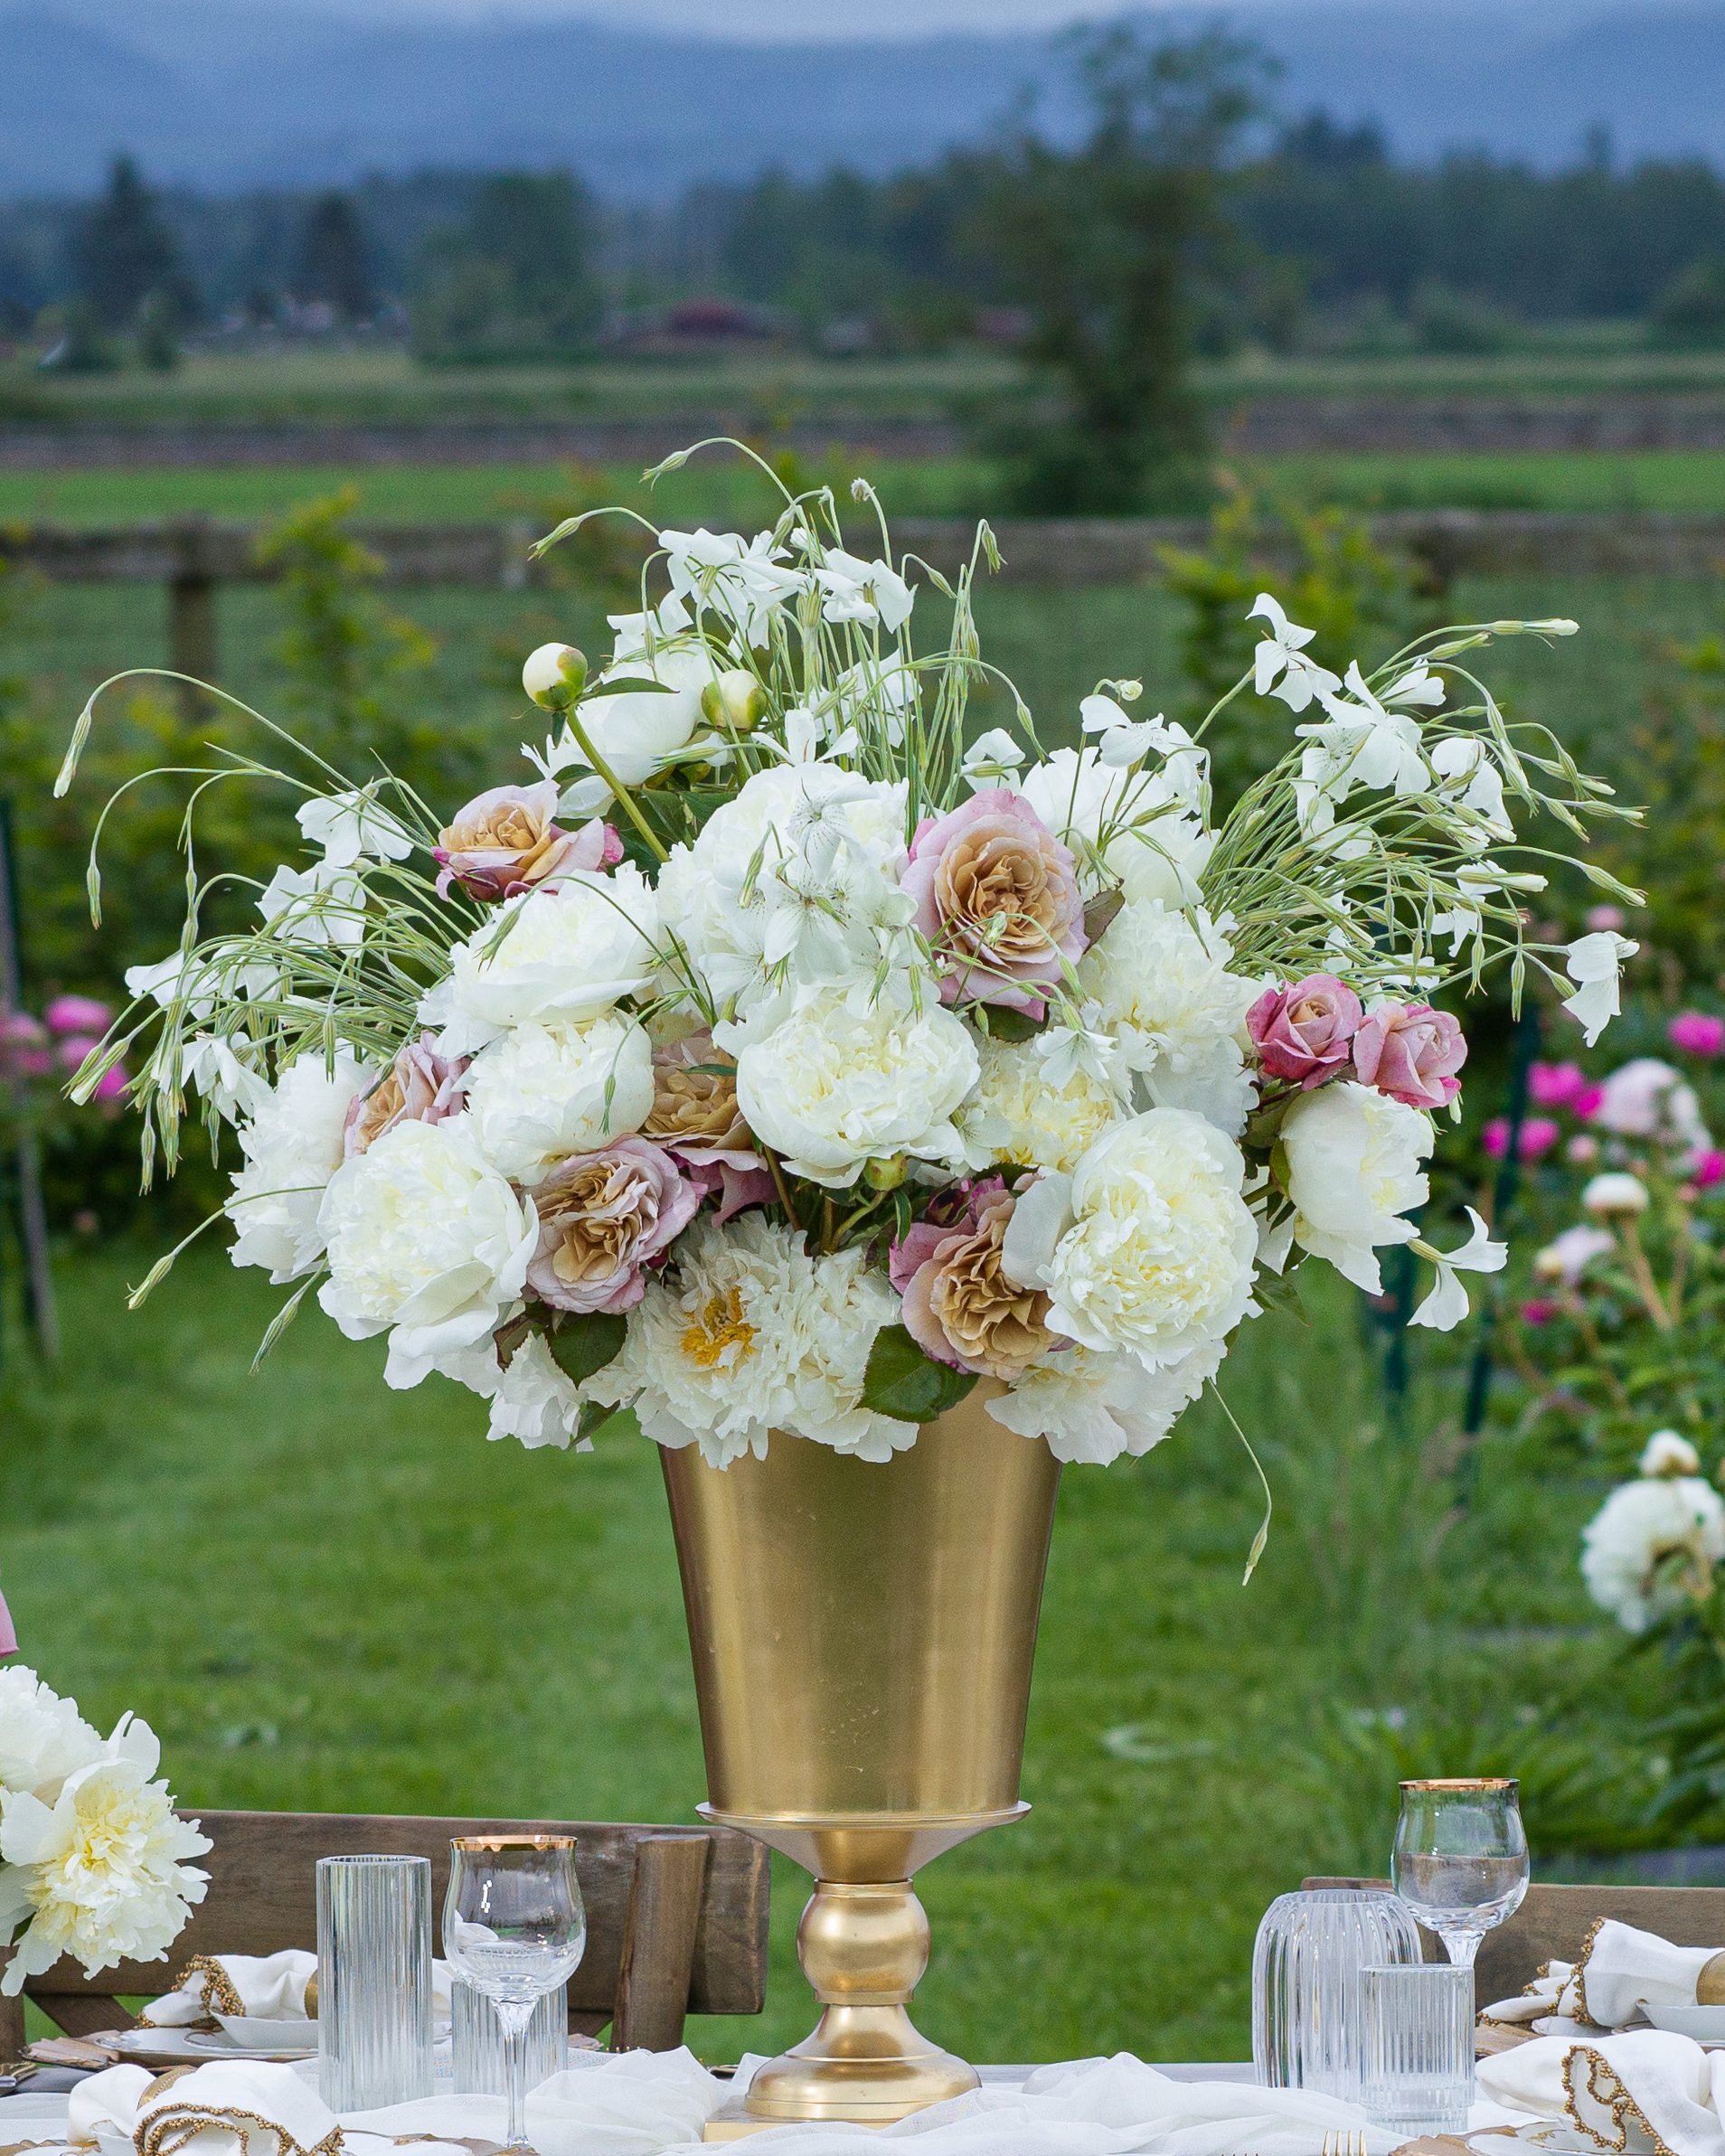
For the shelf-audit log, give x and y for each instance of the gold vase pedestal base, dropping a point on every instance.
(864, 1945)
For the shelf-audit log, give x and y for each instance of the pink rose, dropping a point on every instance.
(111, 1085)
(1412, 1053)
(1538, 1134)
(1305, 1032)
(1606, 916)
(77, 1015)
(506, 840)
(603, 1217)
(19, 1030)
(1540, 1311)
(997, 895)
(1587, 1103)
(959, 1306)
(1696, 1032)
(1555, 1085)
(419, 1086)
(1708, 1168)
(73, 1048)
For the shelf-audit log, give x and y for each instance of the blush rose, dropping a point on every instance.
(1305, 1032)
(997, 895)
(1412, 1053)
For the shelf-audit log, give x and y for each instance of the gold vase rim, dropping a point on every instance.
(1466, 1781)
(494, 1842)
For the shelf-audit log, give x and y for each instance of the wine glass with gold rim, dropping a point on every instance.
(1460, 1859)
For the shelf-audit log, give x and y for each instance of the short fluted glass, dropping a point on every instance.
(1416, 2064)
(1306, 1984)
(374, 1980)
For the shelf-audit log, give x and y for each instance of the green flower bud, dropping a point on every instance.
(554, 676)
(735, 702)
(887, 1175)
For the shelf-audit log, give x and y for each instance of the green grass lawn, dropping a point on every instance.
(325, 1596)
(720, 490)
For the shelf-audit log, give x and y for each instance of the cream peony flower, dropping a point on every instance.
(554, 956)
(293, 1145)
(1148, 1247)
(1353, 1169)
(1161, 984)
(1161, 861)
(1093, 1407)
(100, 1873)
(749, 1334)
(799, 873)
(1018, 1115)
(427, 1241)
(535, 1403)
(42, 1738)
(831, 1087)
(545, 1091)
(1616, 1195)
(1651, 1546)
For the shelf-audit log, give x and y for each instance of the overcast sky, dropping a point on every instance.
(776, 19)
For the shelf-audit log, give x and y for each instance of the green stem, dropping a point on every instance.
(616, 784)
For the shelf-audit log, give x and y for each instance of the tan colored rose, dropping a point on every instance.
(603, 1217)
(997, 893)
(694, 1101)
(419, 1086)
(507, 840)
(958, 1306)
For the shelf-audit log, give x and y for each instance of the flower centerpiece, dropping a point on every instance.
(94, 1861)
(846, 1090)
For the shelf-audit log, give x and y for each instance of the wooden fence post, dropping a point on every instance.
(193, 645)
(32, 1210)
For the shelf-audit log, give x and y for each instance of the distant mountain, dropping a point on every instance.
(214, 94)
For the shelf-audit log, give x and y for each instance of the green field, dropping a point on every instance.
(715, 491)
(327, 1596)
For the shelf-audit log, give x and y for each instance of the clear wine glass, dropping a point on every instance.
(513, 1926)
(1460, 1859)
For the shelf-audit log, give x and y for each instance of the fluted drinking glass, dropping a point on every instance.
(514, 1928)
(374, 1980)
(1305, 1983)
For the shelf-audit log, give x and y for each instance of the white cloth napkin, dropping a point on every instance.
(269, 1987)
(1618, 1970)
(1115, 2106)
(1645, 2089)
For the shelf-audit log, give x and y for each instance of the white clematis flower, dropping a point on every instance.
(322, 907)
(1281, 667)
(862, 591)
(1594, 962)
(1446, 1305)
(992, 759)
(354, 827)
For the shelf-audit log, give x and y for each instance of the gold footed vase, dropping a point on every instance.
(863, 1637)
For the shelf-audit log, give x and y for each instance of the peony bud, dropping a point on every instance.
(554, 676)
(887, 1173)
(1666, 1452)
(735, 701)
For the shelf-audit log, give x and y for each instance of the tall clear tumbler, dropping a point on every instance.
(1306, 1984)
(374, 1980)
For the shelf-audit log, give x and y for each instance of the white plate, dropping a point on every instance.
(1706, 2024)
(252, 2032)
(147, 2046)
(218, 2044)
(1554, 2137)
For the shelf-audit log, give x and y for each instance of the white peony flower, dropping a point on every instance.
(1162, 985)
(1666, 1452)
(543, 1092)
(834, 1085)
(554, 955)
(1353, 1169)
(1019, 1114)
(293, 1145)
(354, 827)
(1161, 861)
(748, 1334)
(425, 1237)
(100, 1873)
(1594, 962)
(1651, 1546)
(1616, 1194)
(799, 873)
(42, 1738)
(535, 1402)
(1093, 1407)
(1149, 1245)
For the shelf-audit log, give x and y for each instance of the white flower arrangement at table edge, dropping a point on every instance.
(846, 1064)
(94, 1861)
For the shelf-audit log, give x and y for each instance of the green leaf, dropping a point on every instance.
(630, 685)
(580, 1345)
(900, 1380)
(1004, 1024)
(1100, 911)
